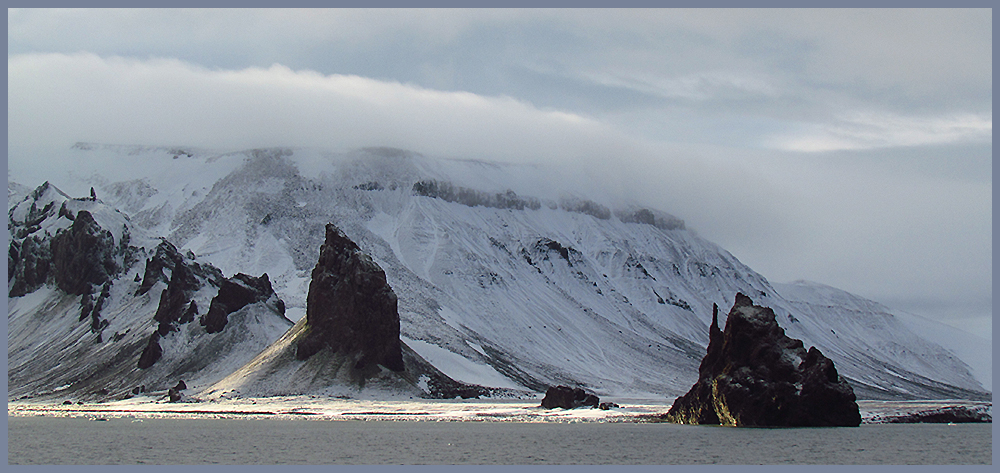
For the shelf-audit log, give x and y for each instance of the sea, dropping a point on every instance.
(34, 440)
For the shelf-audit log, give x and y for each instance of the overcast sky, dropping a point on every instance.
(847, 147)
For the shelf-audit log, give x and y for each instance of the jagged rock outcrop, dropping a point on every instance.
(175, 300)
(56, 240)
(152, 352)
(28, 263)
(81, 249)
(755, 375)
(350, 307)
(234, 294)
(177, 304)
(29, 255)
(568, 398)
(167, 257)
(186, 277)
(83, 255)
(543, 247)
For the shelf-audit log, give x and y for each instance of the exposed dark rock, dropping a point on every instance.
(86, 306)
(186, 278)
(369, 186)
(64, 212)
(587, 207)
(29, 263)
(350, 307)
(13, 256)
(605, 406)
(189, 314)
(180, 385)
(174, 394)
(568, 398)
(77, 259)
(472, 198)
(82, 255)
(152, 353)
(755, 375)
(96, 324)
(544, 246)
(235, 293)
(443, 387)
(167, 257)
(176, 297)
(35, 215)
(944, 415)
(661, 220)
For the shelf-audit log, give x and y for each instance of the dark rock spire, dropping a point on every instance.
(350, 307)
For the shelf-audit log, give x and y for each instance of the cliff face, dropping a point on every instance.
(350, 307)
(755, 375)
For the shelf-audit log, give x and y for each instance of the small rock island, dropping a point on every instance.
(756, 376)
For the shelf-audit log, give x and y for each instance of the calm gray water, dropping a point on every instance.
(61, 440)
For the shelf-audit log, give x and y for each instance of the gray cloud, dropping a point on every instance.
(861, 130)
(85, 97)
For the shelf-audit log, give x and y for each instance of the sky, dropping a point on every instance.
(847, 147)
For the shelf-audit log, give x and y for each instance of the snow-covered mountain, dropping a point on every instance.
(98, 307)
(510, 276)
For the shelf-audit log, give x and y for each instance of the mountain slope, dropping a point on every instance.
(117, 314)
(506, 274)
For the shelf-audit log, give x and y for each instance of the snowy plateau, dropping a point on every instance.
(509, 276)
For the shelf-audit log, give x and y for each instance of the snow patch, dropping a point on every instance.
(477, 347)
(422, 383)
(459, 367)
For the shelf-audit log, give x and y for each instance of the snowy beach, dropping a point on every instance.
(303, 430)
(475, 410)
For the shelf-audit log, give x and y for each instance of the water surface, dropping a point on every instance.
(125, 440)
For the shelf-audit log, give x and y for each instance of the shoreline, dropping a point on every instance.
(423, 410)
(333, 409)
